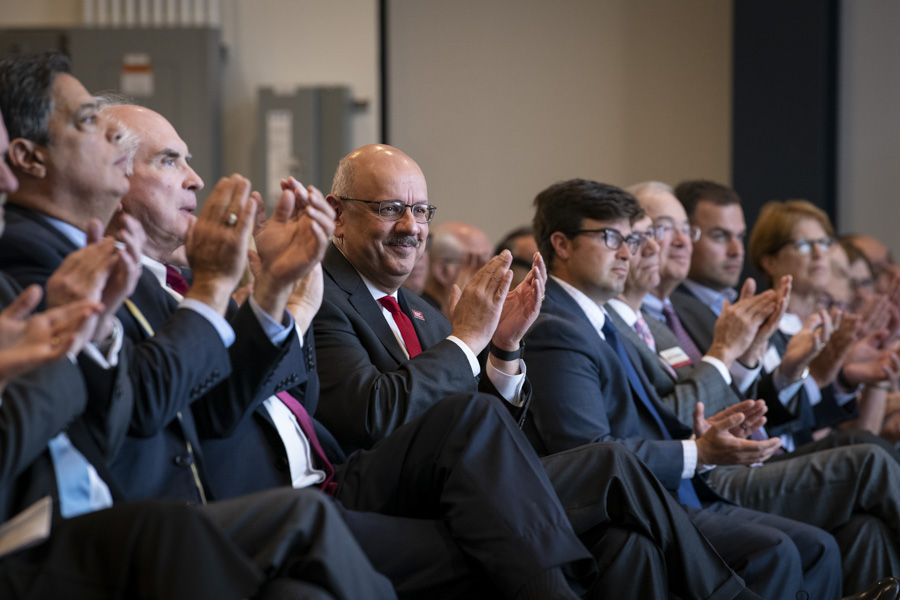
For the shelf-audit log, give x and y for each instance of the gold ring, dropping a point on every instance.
(232, 220)
(54, 341)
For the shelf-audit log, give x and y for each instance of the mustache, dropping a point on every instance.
(402, 240)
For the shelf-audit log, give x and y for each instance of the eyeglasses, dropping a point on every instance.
(393, 210)
(804, 245)
(613, 239)
(657, 233)
(686, 229)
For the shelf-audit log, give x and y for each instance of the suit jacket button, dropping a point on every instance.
(281, 463)
(183, 460)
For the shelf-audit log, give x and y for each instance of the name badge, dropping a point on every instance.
(418, 314)
(676, 357)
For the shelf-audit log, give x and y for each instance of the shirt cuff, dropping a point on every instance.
(508, 386)
(744, 377)
(106, 353)
(223, 328)
(275, 331)
(720, 367)
(786, 389)
(473, 360)
(690, 459)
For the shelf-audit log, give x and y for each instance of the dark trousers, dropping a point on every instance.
(142, 550)
(466, 464)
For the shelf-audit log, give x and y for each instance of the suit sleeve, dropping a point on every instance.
(259, 369)
(35, 409)
(570, 407)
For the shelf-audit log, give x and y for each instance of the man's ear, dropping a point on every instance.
(27, 157)
(335, 203)
(562, 245)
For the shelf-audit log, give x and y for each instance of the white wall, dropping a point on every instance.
(497, 100)
(869, 126)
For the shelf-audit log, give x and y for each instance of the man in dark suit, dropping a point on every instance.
(57, 432)
(376, 375)
(71, 162)
(424, 536)
(584, 227)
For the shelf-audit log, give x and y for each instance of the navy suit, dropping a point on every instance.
(582, 394)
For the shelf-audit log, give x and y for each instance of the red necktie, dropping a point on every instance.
(309, 430)
(407, 332)
(175, 281)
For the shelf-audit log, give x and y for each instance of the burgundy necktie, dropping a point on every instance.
(309, 430)
(684, 340)
(407, 332)
(175, 281)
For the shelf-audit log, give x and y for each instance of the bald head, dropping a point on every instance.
(372, 167)
(382, 250)
(454, 241)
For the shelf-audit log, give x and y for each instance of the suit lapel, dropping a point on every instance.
(345, 276)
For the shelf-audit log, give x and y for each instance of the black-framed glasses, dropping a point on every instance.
(614, 239)
(805, 245)
(392, 210)
(689, 231)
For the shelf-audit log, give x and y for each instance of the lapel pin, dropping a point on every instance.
(418, 314)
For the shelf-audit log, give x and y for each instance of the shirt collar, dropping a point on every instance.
(626, 312)
(376, 293)
(653, 306)
(592, 311)
(155, 267)
(710, 297)
(74, 235)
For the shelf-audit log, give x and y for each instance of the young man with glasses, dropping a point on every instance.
(588, 387)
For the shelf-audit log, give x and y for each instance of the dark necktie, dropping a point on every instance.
(684, 340)
(407, 332)
(175, 281)
(309, 430)
(686, 493)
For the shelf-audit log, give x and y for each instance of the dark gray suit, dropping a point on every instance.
(861, 511)
(696, 383)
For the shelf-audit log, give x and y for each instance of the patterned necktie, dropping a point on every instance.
(407, 332)
(686, 493)
(309, 430)
(643, 330)
(684, 340)
(175, 281)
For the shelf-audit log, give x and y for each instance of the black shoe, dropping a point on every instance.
(886, 589)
